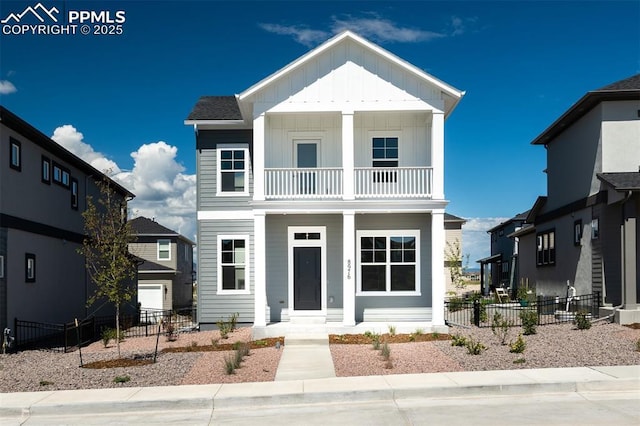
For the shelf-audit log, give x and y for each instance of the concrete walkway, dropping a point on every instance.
(17, 408)
(305, 356)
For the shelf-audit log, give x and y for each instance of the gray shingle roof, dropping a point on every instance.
(624, 181)
(216, 108)
(451, 218)
(147, 266)
(145, 226)
(631, 83)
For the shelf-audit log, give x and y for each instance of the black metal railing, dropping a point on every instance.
(67, 336)
(480, 311)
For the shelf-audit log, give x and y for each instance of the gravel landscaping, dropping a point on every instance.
(553, 346)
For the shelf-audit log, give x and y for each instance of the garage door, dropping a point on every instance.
(150, 296)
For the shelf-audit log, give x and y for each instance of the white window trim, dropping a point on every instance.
(158, 249)
(322, 243)
(387, 233)
(383, 134)
(247, 276)
(219, 191)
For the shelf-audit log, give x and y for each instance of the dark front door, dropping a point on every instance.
(306, 278)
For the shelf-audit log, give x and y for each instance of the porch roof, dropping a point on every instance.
(624, 181)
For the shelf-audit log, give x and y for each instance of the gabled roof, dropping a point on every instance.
(627, 89)
(624, 181)
(520, 217)
(146, 266)
(348, 35)
(145, 227)
(216, 108)
(16, 123)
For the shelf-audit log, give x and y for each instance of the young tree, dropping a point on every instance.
(106, 249)
(453, 257)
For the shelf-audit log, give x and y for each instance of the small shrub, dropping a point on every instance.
(582, 320)
(229, 365)
(529, 320)
(106, 335)
(224, 327)
(518, 346)
(214, 342)
(375, 340)
(233, 321)
(475, 348)
(121, 379)
(455, 304)
(500, 327)
(262, 342)
(418, 332)
(368, 334)
(237, 358)
(45, 383)
(458, 340)
(392, 330)
(519, 361)
(385, 351)
(193, 347)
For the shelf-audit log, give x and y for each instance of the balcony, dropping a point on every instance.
(327, 183)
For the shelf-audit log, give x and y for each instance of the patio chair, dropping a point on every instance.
(502, 295)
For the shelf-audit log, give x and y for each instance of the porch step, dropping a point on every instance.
(306, 339)
(315, 320)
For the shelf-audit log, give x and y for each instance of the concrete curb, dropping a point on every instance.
(298, 392)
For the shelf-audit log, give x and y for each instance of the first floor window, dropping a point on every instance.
(15, 159)
(30, 267)
(233, 271)
(232, 168)
(546, 248)
(577, 232)
(389, 262)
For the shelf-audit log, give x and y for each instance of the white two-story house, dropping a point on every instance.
(321, 193)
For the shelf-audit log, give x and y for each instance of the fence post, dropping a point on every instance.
(476, 312)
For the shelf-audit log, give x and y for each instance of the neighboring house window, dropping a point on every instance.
(1, 266)
(388, 262)
(61, 175)
(30, 267)
(546, 248)
(74, 193)
(577, 232)
(164, 249)
(46, 170)
(385, 154)
(232, 171)
(15, 154)
(595, 228)
(233, 254)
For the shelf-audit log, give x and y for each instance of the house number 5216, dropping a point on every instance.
(348, 269)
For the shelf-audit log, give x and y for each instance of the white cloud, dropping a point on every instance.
(163, 191)
(475, 240)
(372, 27)
(7, 87)
(70, 138)
(460, 26)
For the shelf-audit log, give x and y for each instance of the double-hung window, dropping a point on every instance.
(164, 249)
(385, 154)
(233, 166)
(546, 248)
(233, 271)
(15, 154)
(389, 262)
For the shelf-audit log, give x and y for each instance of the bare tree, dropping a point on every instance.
(453, 257)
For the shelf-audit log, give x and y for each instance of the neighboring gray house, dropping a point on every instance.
(585, 230)
(321, 193)
(166, 272)
(501, 268)
(43, 191)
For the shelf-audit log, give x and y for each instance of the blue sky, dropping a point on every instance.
(119, 101)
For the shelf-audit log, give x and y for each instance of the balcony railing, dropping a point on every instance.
(369, 182)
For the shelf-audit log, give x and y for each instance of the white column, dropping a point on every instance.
(258, 157)
(347, 155)
(437, 155)
(437, 266)
(260, 270)
(349, 271)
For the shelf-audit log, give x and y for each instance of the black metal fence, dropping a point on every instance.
(548, 310)
(66, 337)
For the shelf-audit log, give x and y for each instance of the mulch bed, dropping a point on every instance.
(363, 339)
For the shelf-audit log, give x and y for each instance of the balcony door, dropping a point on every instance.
(306, 152)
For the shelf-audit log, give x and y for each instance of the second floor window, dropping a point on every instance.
(232, 171)
(164, 249)
(74, 193)
(385, 152)
(15, 161)
(46, 170)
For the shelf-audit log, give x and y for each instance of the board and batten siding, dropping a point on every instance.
(277, 258)
(213, 306)
(207, 142)
(400, 221)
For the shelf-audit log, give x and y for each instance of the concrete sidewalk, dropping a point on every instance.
(305, 356)
(17, 406)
